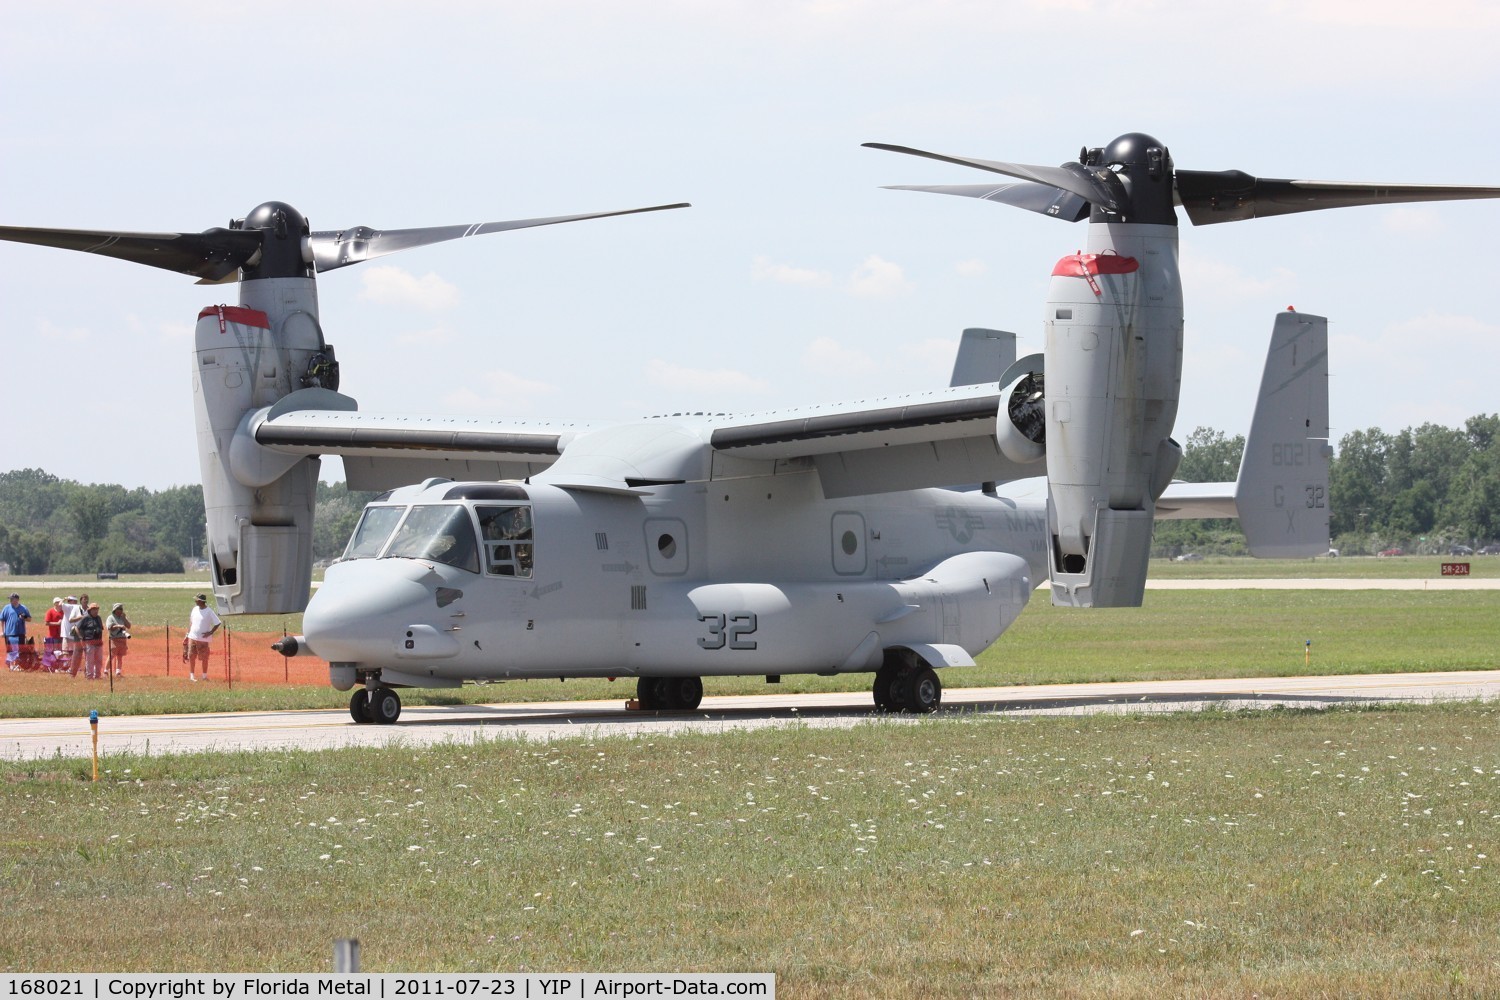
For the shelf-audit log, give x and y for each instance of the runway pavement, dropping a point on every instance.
(30, 739)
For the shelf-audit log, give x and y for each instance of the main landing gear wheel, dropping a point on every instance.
(903, 688)
(359, 707)
(684, 693)
(681, 694)
(885, 683)
(385, 706)
(923, 691)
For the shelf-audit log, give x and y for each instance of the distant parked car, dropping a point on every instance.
(1460, 550)
(1331, 554)
(1188, 557)
(1490, 550)
(1391, 552)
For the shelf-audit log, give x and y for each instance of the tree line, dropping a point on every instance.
(51, 526)
(1423, 489)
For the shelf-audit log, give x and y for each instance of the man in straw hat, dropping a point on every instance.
(118, 626)
(201, 628)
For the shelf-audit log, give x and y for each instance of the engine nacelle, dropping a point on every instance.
(1021, 424)
(1114, 371)
(259, 525)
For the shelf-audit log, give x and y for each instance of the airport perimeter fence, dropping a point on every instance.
(234, 658)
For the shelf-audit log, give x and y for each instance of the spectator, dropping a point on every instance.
(119, 631)
(201, 628)
(14, 616)
(72, 651)
(53, 643)
(91, 638)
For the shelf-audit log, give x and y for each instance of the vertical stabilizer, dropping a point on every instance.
(983, 355)
(1282, 490)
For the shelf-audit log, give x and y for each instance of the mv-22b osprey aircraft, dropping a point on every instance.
(865, 537)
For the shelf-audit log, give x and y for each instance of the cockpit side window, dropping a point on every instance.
(374, 528)
(506, 532)
(439, 532)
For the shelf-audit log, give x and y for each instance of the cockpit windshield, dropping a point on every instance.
(441, 532)
(374, 528)
(445, 533)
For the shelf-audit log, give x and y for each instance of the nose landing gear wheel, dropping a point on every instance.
(359, 707)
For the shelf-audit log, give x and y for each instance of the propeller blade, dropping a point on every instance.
(1096, 185)
(350, 246)
(1041, 198)
(1211, 196)
(211, 255)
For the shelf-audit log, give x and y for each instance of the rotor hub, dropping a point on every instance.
(285, 249)
(1135, 149)
(1143, 167)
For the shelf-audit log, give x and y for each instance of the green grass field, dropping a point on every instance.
(1274, 853)
(1296, 854)
(145, 605)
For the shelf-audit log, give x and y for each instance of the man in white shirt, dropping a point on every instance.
(72, 648)
(201, 628)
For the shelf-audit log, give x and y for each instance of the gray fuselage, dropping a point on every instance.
(757, 575)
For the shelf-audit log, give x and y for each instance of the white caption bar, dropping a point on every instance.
(383, 986)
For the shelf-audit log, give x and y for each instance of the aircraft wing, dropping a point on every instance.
(945, 437)
(382, 451)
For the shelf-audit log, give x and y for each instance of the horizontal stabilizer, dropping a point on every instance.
(1196, 502)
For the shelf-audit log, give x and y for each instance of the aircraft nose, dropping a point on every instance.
(363, 609)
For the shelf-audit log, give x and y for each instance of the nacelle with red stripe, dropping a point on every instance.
(259, 504)
(1113, 373)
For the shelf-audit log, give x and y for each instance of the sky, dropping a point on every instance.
(794, 278)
